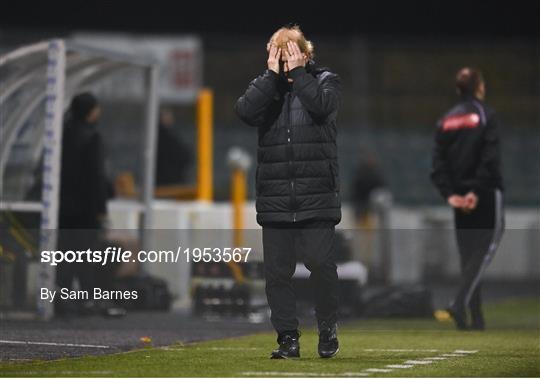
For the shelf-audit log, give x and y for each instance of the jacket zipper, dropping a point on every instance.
(291, 171)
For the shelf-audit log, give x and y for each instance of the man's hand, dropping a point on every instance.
(465, 203)
(456, 201)
(295, 57)
(273, 58)
(471, 201)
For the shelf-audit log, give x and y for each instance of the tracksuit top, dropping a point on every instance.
(466, 156)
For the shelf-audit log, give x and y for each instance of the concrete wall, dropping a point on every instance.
(420, 240)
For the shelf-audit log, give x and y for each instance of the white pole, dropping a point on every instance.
(56, 74)
(152, 103)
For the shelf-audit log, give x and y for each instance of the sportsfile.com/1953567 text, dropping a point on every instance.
(118, 255)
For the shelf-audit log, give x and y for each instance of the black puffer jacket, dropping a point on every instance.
(297, 173)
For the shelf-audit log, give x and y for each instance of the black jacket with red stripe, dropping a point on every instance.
(466, 156)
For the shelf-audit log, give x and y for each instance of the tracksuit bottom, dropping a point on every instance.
(314, 243)
(85, 272)
(478, 235)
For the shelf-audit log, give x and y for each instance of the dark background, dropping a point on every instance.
(397, 61)
(504, 18)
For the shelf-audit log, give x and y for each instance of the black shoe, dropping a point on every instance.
(328, 342)
(289, 346)
(459, 317)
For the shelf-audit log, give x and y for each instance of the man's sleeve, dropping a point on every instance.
(489, 164)
(252, 106)
(319, 98)
(439, 173)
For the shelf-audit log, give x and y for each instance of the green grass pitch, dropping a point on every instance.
(369, 348)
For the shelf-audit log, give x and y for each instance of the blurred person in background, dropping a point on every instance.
(84, 191)
(368, 178)
(466, 171)
(173, 155)
(294, 105)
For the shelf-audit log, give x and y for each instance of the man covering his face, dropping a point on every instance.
(294, 105)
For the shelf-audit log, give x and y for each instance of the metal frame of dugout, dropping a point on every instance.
(65, 62)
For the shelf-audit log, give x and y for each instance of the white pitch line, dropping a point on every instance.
(353, 374)
(303, 374)
(379, 370)
(53, 344)
(418, 362)
(278, 373)
(399, 366)
(389, 368)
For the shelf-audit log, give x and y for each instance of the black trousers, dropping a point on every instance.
(314, 243)
(84, 272)
(478, 235)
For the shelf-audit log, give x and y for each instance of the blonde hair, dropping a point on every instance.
(291, 33)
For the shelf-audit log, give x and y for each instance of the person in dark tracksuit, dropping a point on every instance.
(294, 105)
(466, 171)
(83, 193)
(173, 156)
